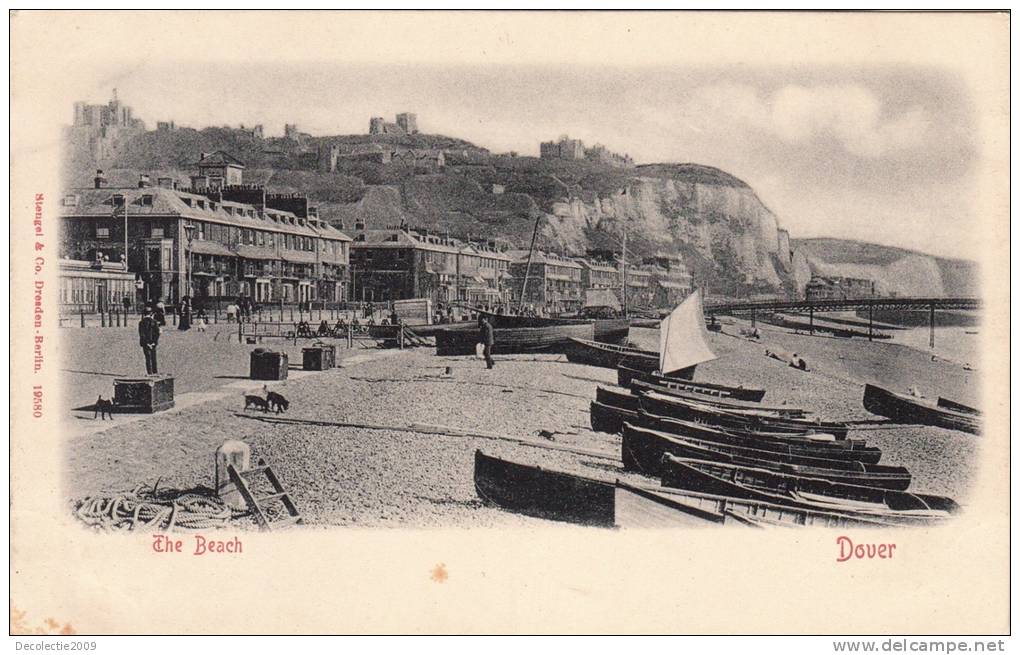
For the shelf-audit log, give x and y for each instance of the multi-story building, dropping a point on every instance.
(553, 281)
(671, 281)
(839, 288)
(599, 274)
(639, 286)
(213, 243)
(400, 263)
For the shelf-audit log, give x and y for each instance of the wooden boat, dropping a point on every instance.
(606, 418)
(808, 445)
(606, 355)
(672, 407)
(713, 509)
(613, 400)
(508, 341)
(643, 450)
(546, 494)
(957, 407)
(696, 475)
(612, 330)
(640, 386)
(605, 330)
(683, 473)
(626, 375)
(901, 408)
(562, 496)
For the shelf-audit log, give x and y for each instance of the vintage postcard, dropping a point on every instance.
(509, 322)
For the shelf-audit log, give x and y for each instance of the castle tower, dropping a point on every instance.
(377, 125)
(408, 122)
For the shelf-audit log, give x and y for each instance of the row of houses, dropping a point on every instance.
(218, 239)
(401, 262)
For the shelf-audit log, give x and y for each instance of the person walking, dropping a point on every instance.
(487, 339)
(184, 310)
(148, 339)
(160, 315)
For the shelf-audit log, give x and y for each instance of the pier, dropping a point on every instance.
(849, 304)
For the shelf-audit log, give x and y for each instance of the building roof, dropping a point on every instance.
(171, 202)
(220, 158)
(398, 238)
(521, 257)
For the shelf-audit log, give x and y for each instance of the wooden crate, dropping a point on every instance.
(143, 395)
(268, 365)
(319, 357)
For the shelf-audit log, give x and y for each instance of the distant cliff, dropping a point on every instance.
(731, 242)
(894, 270)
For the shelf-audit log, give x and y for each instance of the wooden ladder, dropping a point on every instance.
(412, 338)
(255, 505)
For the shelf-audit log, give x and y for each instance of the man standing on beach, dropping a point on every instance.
(486, 338)
(148, 338)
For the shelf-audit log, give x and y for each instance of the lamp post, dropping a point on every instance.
(189, 230)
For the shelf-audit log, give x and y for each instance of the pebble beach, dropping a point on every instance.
(363, 445)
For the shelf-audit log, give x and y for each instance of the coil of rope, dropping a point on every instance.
(144, 509)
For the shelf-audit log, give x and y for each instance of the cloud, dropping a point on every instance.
(850, 114)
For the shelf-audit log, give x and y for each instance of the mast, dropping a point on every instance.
(625, 268)
(527, 271)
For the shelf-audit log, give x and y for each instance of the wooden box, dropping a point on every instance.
(143, 395)
(268, 365)
(319, 357)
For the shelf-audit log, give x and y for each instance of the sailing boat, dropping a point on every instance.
(682, 346)
(683, 339)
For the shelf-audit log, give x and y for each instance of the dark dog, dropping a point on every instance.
(104, 408)
(258, 402)
(275, 400)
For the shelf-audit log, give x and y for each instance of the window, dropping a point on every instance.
(156, 232)
(102, 233)
(147, 200)
(187, 201)
(261, 238)
(270, 239)
(70, 200)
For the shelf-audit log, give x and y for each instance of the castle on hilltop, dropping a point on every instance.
(99, 129)
(407, 123)
(574, 150)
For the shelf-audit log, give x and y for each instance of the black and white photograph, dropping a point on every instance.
(732, 285)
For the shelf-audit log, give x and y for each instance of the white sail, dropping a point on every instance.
(683, 339)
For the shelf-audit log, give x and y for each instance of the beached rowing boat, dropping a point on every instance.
(507, 341)
(561, 496)
(606, 355)
(605, 418)
(691, 475)
(741, 419)
(640, 386)
(643, 449)
(627, 374)
(901, 408)
(697, 475)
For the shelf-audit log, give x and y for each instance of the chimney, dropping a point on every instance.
(99, 180)
(359, 225)
(165, 182)
(143, 181)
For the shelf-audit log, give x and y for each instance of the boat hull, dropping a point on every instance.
(643, 451)
(626, 375)
(688, 475)
(552, 339)
(903, 409)
(673, 407)
(542, 493)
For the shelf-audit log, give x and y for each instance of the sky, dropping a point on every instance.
(882, 153)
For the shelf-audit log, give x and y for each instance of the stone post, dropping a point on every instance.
(237, 453)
